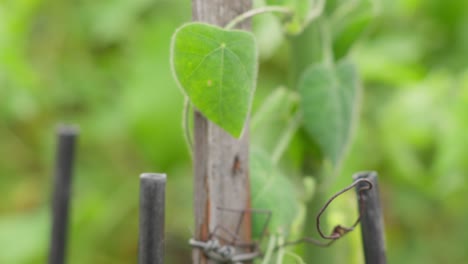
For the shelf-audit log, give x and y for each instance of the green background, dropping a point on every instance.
(104, 65)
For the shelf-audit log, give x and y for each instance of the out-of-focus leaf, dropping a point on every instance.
(120, 16)
(267, 30)
(349, 32)
(273, 119)
(271, 190)
(309, 187)
(415, 142)
(277, 105)
(23, 238)
(393, 59)
(217, 69)
(330, 96)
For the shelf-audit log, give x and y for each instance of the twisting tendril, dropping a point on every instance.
(339, 230)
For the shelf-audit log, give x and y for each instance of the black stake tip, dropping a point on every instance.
(159, 177)
(67, 130)
(365, 175)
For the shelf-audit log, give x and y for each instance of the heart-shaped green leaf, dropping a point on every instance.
(330, 97)
(217, 70)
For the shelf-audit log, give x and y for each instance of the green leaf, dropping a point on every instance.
(268, 34)
(349, 34)
(271, 190)
(330, 96)
(217, 70)
(273, 104)
(349, 27)
(14, 228)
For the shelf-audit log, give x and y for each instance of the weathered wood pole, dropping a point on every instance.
(152, 208)
(372, 226)
(61, 194)
(221, 169)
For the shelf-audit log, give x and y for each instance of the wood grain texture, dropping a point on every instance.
(220, 12)
(372, 226)
(221, 168)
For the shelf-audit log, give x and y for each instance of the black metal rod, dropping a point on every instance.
(152, 207)
(61, 197)
(372, 226)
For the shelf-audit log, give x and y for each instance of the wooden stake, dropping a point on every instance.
(221, 169)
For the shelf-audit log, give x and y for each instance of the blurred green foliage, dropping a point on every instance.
(105, 66)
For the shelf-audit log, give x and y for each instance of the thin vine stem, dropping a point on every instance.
(315, 13)
(257, 11)
(270, 249)
(343, 10)
(288, 134)
(280, 254)
(327, 43)
(295, 257)
(185, 123)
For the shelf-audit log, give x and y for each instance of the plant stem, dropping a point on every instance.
(280, 254)
(315, 12)
(343, 10)
(306, 49)
(327, 44)
(295, 256)
(257, 11)
(283, 143)
(270, 249)
(186, 125)
(267, 107)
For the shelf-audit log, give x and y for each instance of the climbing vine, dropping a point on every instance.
(216, 68)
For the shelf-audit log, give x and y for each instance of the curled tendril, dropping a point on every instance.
(339, 231)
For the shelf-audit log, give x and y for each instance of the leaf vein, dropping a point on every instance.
(240, 62)
(221, 79)
(201, 62)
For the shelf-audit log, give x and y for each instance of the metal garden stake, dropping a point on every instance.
(372, 226)
(152, 206)
(61, 196)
